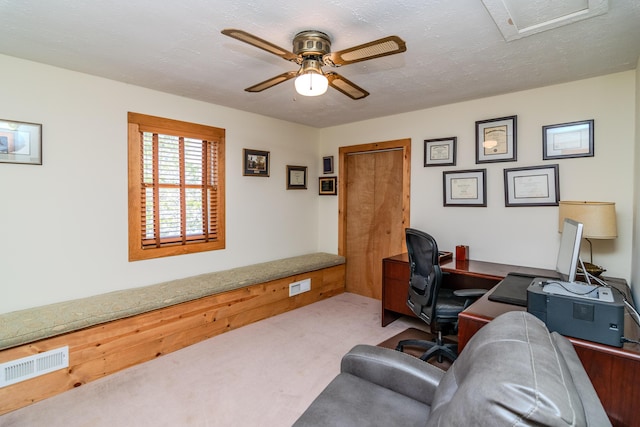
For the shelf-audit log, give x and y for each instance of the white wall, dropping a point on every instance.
(514, 235)
(63, 225)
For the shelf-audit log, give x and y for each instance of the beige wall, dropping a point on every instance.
(514, 235)
(64, 224)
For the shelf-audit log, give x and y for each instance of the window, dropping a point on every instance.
(176, 187)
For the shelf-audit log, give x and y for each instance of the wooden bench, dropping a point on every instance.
(110, 332)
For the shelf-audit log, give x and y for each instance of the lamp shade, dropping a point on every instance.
(311, 81)
(599, 218)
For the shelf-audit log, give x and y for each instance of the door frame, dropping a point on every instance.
(405, 146)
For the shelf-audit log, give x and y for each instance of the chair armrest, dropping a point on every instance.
(394, 370)
(469, 293)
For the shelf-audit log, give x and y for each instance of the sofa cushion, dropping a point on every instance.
(33, 324)
(510, 373)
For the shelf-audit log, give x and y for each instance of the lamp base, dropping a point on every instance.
(594, 270)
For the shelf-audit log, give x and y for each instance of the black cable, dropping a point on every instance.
(623, 339)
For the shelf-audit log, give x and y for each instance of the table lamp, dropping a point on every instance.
(599, 219)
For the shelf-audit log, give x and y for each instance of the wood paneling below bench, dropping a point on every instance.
(103, 349)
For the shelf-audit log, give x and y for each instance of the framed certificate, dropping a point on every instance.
(532, 186)
(440, 152)
(496, 140)
(296, 177)
(566, 140)
(465, 188)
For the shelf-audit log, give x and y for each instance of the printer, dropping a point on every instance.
(579, 310)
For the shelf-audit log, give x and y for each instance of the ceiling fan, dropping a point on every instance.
(312, 51)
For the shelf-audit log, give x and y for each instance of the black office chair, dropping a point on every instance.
(438, 307)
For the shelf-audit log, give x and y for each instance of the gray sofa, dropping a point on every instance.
(513, 372)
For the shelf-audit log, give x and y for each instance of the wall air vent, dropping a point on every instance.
(28, 367)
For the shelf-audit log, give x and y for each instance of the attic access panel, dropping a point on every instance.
(517, 19)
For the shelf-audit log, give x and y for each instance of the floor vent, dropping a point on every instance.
(28, 367)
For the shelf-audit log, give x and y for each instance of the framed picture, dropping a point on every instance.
(327, 164)
(440, 152)
(296, 177)
(532, 186)
(566, 140)
(328, 186)
(465, 188)
(20, 142)
(256, 163)
(496, 140)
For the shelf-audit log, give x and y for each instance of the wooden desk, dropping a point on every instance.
(614, 371)
(461, 275)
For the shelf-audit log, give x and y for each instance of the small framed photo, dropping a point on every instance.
(256, 163)
(20, 142)
(296, 177)
(496, 140)
(532, 186)
(327, 164)
(328, 186)
(465, 188)
(566, 140)
(440, 152)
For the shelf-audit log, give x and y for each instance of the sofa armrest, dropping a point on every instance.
(593, 410)
(394, 370)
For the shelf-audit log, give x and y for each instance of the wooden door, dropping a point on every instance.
(375, 211)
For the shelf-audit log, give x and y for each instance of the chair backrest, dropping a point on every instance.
(426, 276)
(514, 372)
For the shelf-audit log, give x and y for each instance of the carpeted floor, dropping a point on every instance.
(264, 374)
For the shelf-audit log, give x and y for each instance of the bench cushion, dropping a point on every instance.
(33, 324)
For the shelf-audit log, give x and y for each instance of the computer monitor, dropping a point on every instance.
(569, 252)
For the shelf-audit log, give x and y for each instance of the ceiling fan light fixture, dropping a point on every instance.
(311, 81)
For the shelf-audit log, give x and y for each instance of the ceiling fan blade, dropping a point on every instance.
(272, 82)
(345, 86)
(375, 49)
(243, 36)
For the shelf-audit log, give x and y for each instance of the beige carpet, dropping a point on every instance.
(264, 374)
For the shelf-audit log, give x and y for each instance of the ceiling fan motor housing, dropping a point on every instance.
(311, 43)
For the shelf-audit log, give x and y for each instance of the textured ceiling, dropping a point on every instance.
(455, 50)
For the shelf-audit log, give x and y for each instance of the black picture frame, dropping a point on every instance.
(532, 186)
(465, 188)
(296, 177)
(497, 140)
(440, 151)
(327, 164)
(568, 140)
(255, 163)
(328, 186)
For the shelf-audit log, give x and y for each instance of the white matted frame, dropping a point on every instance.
(565, 140)
(440, 152)
(465, 188)
(20, 142)
(496, 140)
(532, 186)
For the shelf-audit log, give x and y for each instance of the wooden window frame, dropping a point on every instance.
(139, 247)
